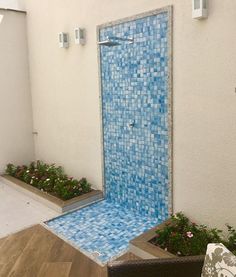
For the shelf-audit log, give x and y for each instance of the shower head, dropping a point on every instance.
(108, 43)
(113, 41)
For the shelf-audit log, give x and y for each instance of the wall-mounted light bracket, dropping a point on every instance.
(63, 40)
(1, 17)
(199, 9)
(80, 36)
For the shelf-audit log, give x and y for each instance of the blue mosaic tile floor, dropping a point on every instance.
(102, 230)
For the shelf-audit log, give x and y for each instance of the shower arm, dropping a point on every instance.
(131, 40)
(114, 41)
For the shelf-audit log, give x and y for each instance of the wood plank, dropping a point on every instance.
(36, 252)
(1, 242)
(61, 252)
(55, 269)
(21, 239)
(12, 248)
(128, 257)
(86, 267)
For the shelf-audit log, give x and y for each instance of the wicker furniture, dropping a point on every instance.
(171, 267)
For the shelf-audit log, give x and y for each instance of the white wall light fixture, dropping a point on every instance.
(80, 36)
(1, 17)
(63, 40)
(199, 9)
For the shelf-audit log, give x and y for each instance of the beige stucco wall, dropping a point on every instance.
(12, 4)
(16, 140)
(65, 91)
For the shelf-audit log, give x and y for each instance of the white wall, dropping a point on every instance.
(65, 93)
(16, 140)
(12, 4)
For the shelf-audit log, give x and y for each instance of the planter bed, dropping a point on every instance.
(143, 248)
(49, 200)
(181, 237)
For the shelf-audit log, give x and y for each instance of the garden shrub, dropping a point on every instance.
(185, 238)
(50, 179)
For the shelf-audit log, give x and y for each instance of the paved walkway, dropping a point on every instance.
(18, 211)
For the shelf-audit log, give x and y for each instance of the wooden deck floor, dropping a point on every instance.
(36, 252)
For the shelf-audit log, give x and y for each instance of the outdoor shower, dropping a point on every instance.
(135, 89)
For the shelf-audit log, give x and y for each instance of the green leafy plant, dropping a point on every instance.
(185, 238)
(230, 243)
(50, 179)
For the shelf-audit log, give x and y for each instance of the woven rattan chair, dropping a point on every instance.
(173, 267)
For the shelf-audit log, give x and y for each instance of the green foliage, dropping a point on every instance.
(49, 178)
(230, 243)
(185, 238)
(11, 169)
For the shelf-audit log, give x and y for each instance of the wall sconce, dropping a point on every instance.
(63, 40)
(199, 9)
(80, 36)
(1, 17)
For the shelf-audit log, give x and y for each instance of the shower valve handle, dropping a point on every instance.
(131, 124)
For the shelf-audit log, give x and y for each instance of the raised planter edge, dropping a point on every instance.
(49, 200)
(141, 246)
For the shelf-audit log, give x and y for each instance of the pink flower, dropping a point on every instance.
(189, 234)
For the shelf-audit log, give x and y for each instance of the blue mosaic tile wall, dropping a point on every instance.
(135, 92)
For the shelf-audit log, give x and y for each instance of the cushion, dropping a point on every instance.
(219, 262)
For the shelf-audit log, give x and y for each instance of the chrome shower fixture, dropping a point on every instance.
(114, 41)
(108, 42)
